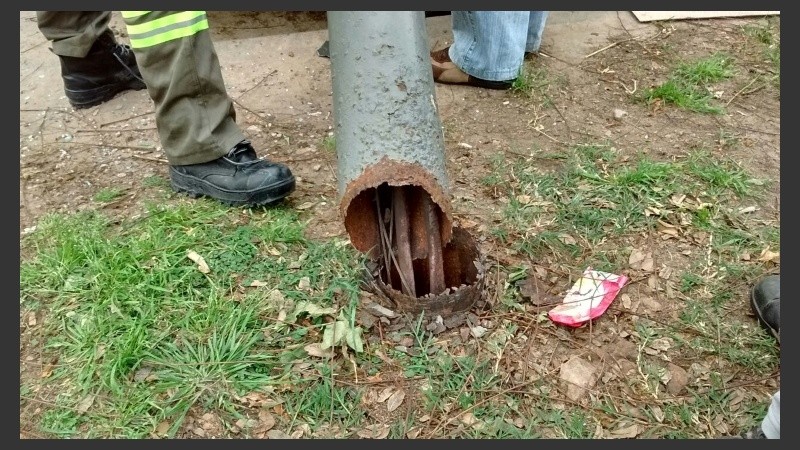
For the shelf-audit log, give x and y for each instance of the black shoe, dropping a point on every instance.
(754, 433)
(108, 69)
(238, 178)
(765, 299)
(446, 72)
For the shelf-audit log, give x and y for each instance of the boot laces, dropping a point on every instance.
(243, 149)
(121, 52)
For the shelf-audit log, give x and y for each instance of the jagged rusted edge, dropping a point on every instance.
(463, 299)
(394, 173)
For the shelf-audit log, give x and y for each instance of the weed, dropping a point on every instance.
(530, 83)
(688, 84)
(106, 195)
(329, 143)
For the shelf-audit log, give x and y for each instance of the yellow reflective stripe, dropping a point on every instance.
(171, 19)
(169, 35)
(133, 14)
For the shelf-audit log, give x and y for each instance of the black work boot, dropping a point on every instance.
(765, 299)
(238, 178)
(108, 69)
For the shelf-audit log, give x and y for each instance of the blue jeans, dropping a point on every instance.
(491, 45)
(771, 425)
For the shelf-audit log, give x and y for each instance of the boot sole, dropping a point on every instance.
(86, 98)
(195, 188)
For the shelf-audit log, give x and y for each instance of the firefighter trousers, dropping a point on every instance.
(194, 115)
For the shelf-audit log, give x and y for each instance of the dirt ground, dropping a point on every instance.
(282, 93)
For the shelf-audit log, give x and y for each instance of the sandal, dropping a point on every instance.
(445, 71)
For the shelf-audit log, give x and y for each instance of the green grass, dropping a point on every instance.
(768, 38)
(106, 195)
(134, 322)
(530, 82)
(687, 86)
(138, 332)
(329, 143)
(712, 69)
(593, 199)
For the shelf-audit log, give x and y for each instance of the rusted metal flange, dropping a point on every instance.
(465, 276)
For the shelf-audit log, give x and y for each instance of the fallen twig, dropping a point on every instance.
(629, 91)
(274, 71)
(550, 137)
(150, 158)
(742, 90)
(125, 119)
(612, 45)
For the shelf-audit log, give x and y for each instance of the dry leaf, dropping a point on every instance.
(273, 251)
(769, 255)
(145, 373)
(640, 260)
(277, 434)
(85, 404)
(385, 394)
(267, 421)
(413, 432)
(257, 283)
(32, 319)
(395, 400)
(201, 263)
(424, 418)
(304, 284)
(626, 301)
(748, 209)
(662, 344)
(745, 256)
(301, 431)
(647, 264)
(677, 199)
(598, 431)
(316, 350)
(374, 431)
(567, 239)
(478, 332)
(466, 223)
(305, 205)
(658, 413)
(255, 400)
(468, 419)
(162, 428)
(629, 432)
(650, 351)
(47, 370)
(668, 231)
(650, 211)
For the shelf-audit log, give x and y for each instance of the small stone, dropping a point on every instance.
(678, 380)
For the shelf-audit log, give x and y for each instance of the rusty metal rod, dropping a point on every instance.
(386, 247)
(402, 230)
(435, 259)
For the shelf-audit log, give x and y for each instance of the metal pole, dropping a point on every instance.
(387, 126)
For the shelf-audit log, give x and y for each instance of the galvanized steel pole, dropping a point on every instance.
(387, 126)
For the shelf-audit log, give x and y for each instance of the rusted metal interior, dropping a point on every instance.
(464, 277)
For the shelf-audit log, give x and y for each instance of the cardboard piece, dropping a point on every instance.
(649, 16)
